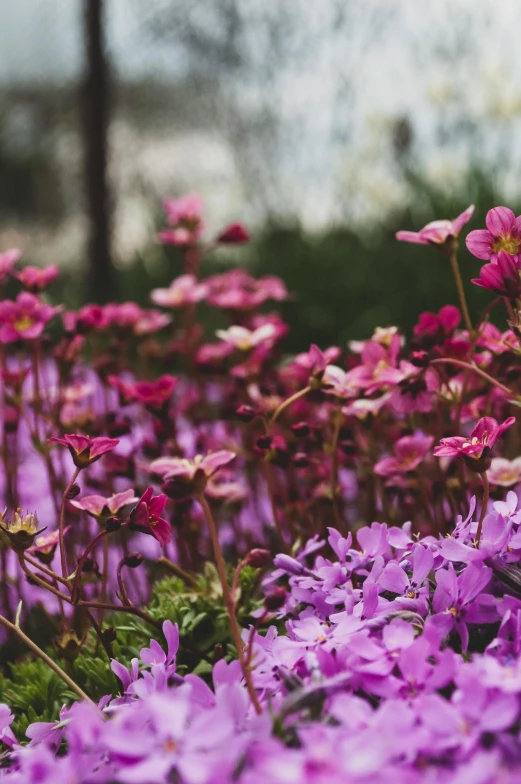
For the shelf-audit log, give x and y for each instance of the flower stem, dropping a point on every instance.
(44, 657)
(484, 479)
(229, 601)
(62, 521)
(453, 258)
(469, 366)
(285, 403)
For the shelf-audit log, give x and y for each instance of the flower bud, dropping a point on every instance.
(133, 560)
(300, 429)
(300, 460)
(263, 442)
(275, 599)
(258, 558)
(245, 413)
(112, 524)
(289, 564)
(74, 491)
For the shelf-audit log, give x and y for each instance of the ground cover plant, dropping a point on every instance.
(223, 564)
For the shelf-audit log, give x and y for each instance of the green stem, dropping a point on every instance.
(453, 258)
(278, 411)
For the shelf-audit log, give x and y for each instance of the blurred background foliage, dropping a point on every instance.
(324, 127)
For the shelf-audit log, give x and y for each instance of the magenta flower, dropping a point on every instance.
(185, 477)
(183, 290)
(478, 446)
(185, 217)
(85, 450)
(501, 276)
(409, 452)
(503, 232)
(7, 261)
(154, 394)
(44, 547)
(37, 278)
(25, 318)
(146, 516)
(99, 507)
(437, 232)
(151, 321)
(235, 234)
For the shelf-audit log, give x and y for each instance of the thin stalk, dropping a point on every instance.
(66, 492)
(43, 656)
(484, 479)
(478, 371)
(186, 576)
(453, 258)
(228, 599)
(278, 411)
(88, 550)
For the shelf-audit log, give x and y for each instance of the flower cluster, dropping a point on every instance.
(377, 482)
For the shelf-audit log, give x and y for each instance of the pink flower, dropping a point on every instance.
(234, 234)
(154, 394)
(7, 261)
(122, 314)
(44, 547)
(184, 477)
(501, 276)
(503, 232)
(236, 290)
(99, 507)
(437, 232)
(379, 368)
(409, 452)
(151, 321)
(146, 516)
(182, 291)
(185, 216)
(478, 446)
(245, 339)
(25, 318)
(503, 472)
(37, 278)
(85, 450)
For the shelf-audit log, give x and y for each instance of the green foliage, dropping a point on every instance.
(36, 693)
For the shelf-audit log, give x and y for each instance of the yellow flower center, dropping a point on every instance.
(23, 323)
(507, 243)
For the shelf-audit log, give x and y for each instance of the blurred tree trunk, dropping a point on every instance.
(101, 276)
